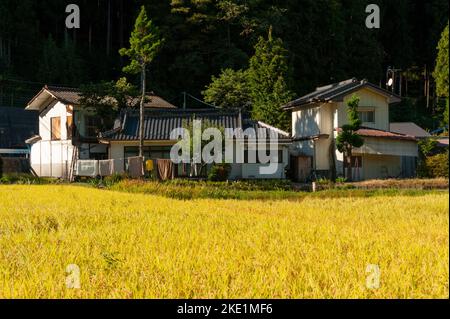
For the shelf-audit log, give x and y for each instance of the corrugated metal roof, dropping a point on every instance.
(159, 124)
(409, 128)
(337, 91)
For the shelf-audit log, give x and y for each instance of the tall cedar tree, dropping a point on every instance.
(348, 138)
(145, 43)
(441, 71)
(267, 76)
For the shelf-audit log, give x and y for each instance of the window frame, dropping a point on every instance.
(89, 126)
(53, 135)
(366, 112)
(69, 127)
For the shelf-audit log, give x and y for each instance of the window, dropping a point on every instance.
(69, 127)
(367, 116)
(55, 128)
(91, 126)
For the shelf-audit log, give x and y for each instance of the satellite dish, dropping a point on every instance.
(390, 82)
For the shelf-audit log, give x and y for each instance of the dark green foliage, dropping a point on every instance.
(442, 69)
(426, 147)
(268, 78)
(219, 172)
(1, 166)
(106, 99)
(434, 166)
(326, 42)
(431, 163)
(441, 74)
(61, 64)
(229, 90)
(145, 42)
(26, 179)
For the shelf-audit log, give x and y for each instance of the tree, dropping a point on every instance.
(145, 43)
(348, 138)
(229, 90)
(106, 99)
(440, 73)
(197, 145)
(268, 78)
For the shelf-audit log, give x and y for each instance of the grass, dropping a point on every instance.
(130, 245)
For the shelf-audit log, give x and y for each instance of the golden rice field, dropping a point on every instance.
(143, 246)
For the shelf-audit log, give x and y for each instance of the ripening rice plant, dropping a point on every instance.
(77, 242)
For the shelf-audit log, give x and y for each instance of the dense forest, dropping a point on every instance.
(325, 40)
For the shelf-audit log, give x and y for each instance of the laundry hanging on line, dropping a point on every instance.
(106, 167)
(136, 166)
(165, 169)
(87, 168)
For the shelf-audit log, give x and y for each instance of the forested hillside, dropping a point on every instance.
(326, 41)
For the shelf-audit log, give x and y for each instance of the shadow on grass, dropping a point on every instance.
(232, 191)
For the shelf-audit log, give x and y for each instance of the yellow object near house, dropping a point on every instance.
(149, 165)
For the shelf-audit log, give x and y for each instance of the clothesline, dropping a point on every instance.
(93, 168)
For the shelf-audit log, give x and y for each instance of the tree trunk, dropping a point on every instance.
(332, 157)
(349, 166)
(141, 114)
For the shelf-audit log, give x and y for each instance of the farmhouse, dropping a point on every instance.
(317, 118)
(158, 124)
(69, 135)
(67, 131)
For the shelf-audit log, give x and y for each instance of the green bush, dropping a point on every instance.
(434, 166)
(341, 180)
(219, 172)
(113, 179)
(26, 179)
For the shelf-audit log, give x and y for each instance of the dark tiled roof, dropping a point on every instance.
(335, 92)
(16, 125)
(159, 124)
(65, 95)
(73, 96)
(370, 132)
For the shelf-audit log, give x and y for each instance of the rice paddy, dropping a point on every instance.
(61, 241)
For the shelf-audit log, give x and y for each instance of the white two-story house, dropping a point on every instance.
(317, 118)
(67, 131)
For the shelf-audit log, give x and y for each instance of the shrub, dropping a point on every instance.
(113, 179)
(436, 166)
(341, 180)
(1, 166)
(25, 179)
(219, 172)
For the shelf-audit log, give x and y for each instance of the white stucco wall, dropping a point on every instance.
(238, 170)
(52, 158)
(369, 100)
